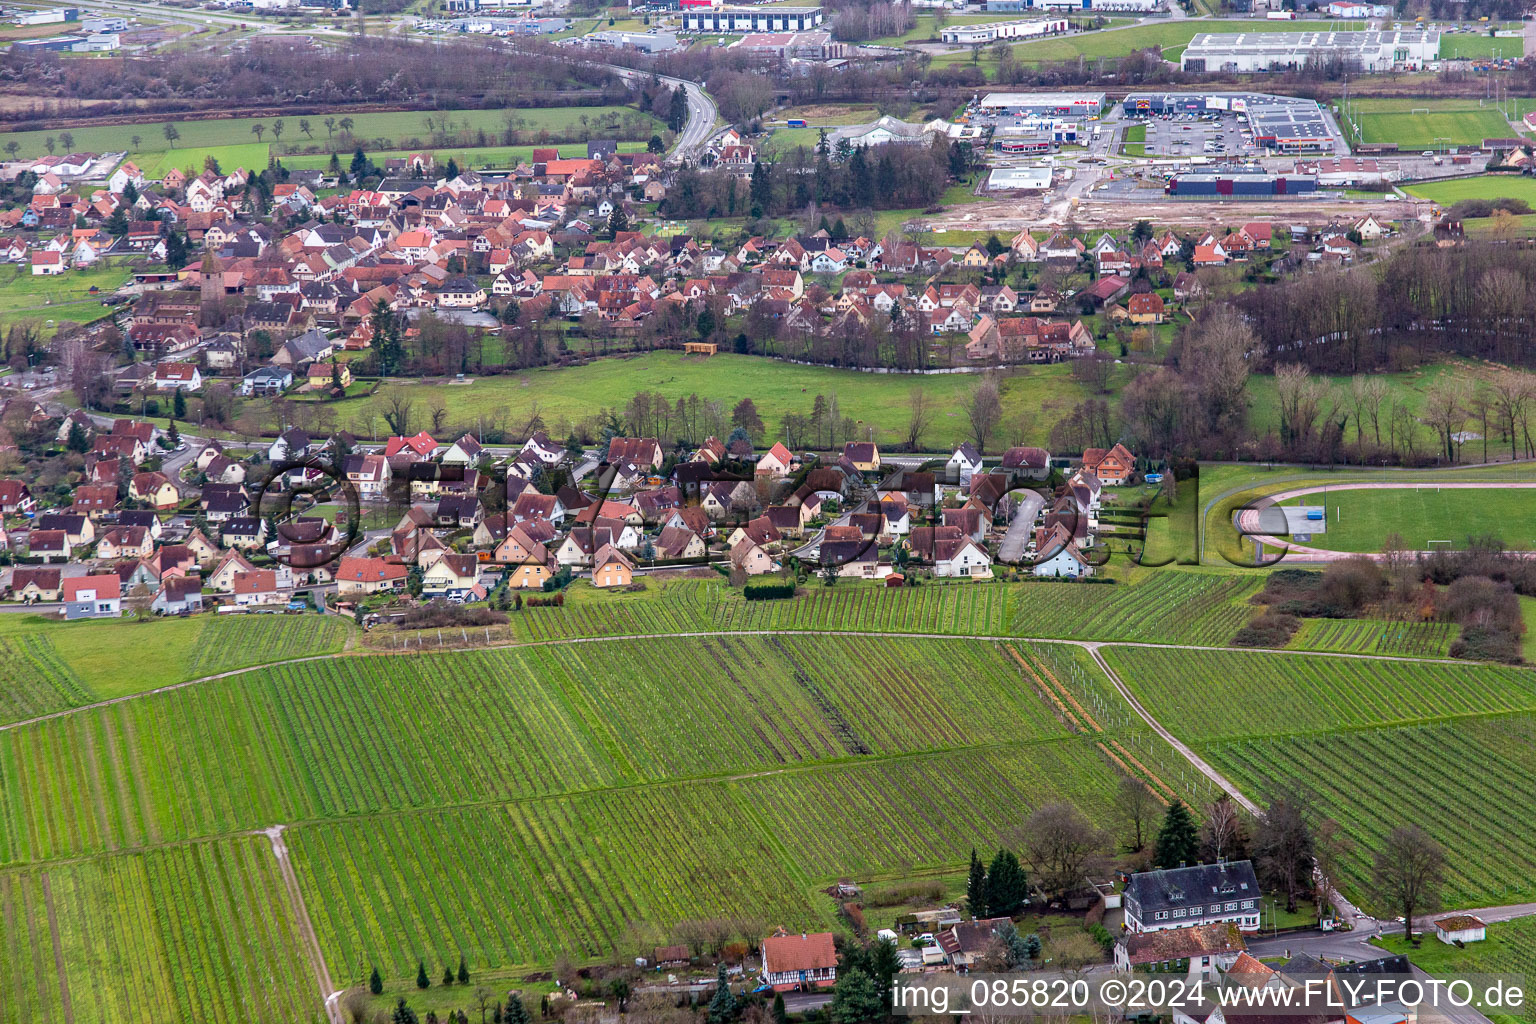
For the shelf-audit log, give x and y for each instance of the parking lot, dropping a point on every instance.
(1213, 135)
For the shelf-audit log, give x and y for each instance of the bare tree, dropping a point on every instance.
(984, 410)
(1445, 407)
(1136, 808)
(1061, 847)
(397, 409)
(1282, 845)
(919, 414)
(1222, 837)
(1300, 397)
(1408, 873)
(1330, 846)
(1512, 391)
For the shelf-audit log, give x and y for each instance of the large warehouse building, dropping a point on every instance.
(1406, 50)
(739, 20)
(1047, 104)
(1240, 186)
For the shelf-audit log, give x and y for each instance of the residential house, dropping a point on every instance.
(1204, 894)
(750, 557)
(1058, 555)
(1026, 463)
(964, 463)
(155, 488)
(865, 455)
(1113, 466)
(179, 595)
(355, 575)
(256, 587)
(49, 545)
(93, 597)
(32, 585)
(801, 962)
(451, 576)
(1205, 948)
(611, 567)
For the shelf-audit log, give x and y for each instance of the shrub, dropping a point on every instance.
(768, 591)
(1270, 629)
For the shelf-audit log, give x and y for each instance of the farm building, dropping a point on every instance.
(1460, 928)
(885, 130)
(799, 962)
(1288, 51)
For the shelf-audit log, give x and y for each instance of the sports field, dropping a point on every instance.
(1121, 41)
(1418, 124)
(1487, 186)
(405, 129)
(1360, 519)
(1478, 45)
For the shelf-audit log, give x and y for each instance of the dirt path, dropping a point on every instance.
(1303, 553)
(328, 990)
(1173, 741)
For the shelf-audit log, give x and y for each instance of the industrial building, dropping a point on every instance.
(971, 35)
(1019, 179)
(888, 130)
(653, 41)
(1039, 135)
(1240, 186)
(1244, 52)
(739, 20)
(1042, 104)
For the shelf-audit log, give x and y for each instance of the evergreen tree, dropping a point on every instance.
(677, 113)
(1178, 841)
(857, 999)
(422, 981)
(175, 250)
(452, 170)
(1032, 948)
(360, 165)
(655, 145)
(722, 1007)
(386, 338)
(779, 1014)
(1007, 886)
(403, 1014)
(463, 971)
(375, 983)
(618, 220)
(515, 1013)
(179, 404)
(976, 887)
(335, 374)
(447, 976)
(130, 193)
(762, 188)
(77, 441)
(172, 434)
(706, 323)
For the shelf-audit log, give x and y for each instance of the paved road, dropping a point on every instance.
(1011, 551)
(701, 115)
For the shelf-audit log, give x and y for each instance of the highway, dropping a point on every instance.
(702, 113)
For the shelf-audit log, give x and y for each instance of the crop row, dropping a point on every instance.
(200, 932)
(227, 642)
(340, 737)
(1470, 784)
(1373, 636)
(526, 883)
(34, 680)
(1214, 694)
(1172, 606)
(863, 820)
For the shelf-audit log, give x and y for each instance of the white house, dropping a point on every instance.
(1460, 928)
(963, 557)
(963, 464)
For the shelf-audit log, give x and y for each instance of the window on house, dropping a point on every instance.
(1231, 906)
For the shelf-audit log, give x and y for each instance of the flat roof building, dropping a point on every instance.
(1019, 179)
(1057, 104)
(1286, 51)
(738, 20)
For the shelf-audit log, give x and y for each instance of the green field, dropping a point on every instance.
(65, 296)
(406, 129)
(1120, 42)
(202, 932)
(1476, 45)
(1377, 743)
(565, 780)
(53, 666)
(1361, 519)
(1417, 124)
(249, 155)
(1490, 186)
(1135, 140)
(1032, 400)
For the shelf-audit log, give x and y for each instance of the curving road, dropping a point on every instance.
(702, 114)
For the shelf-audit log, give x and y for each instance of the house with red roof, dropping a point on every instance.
(799, 962)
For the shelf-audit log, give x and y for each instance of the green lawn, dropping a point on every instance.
(1488, 186)
(1416, 124)
(64, 296)
(1471, 46)
(404, 129)
(1360, 519)
(475, 157)
(252, 156)
(1135, 140)
(1032, 400)
(1528, 613)
(787, 140)
(1508, 949)
(1119, 42)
